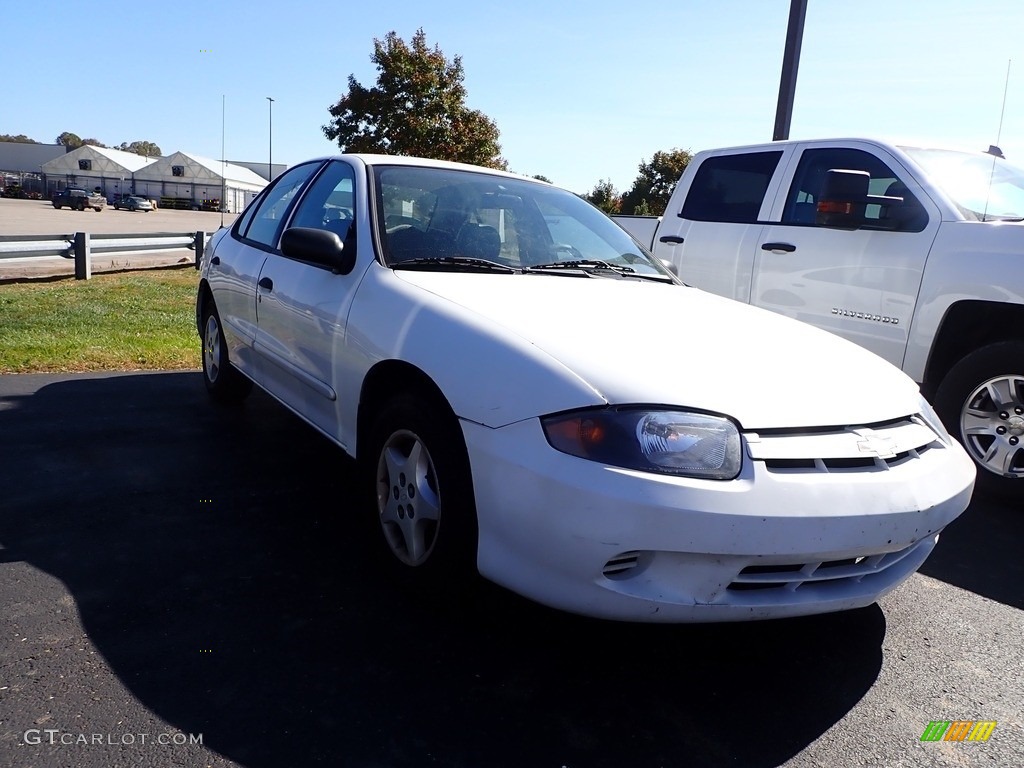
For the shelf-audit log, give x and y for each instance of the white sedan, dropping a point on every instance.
(531, 396)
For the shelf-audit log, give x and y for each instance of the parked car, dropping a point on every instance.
(133, 203)
(913, 252)
(528, 394)
(79, 199)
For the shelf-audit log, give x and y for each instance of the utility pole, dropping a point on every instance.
(790, 64)
(270, 142)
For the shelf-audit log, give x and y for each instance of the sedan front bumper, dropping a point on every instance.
(637, 546)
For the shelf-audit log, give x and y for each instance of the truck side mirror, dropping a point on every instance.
(843, 199)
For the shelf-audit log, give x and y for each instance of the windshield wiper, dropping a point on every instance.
(452, 262)
(584, 264)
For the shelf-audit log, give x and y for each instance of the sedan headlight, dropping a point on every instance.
(671, 442)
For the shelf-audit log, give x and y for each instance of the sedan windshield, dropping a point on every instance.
(446, 218)
(983, 186)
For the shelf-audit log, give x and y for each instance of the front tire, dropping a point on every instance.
(422, 490)
(223, 381)
(981, 402)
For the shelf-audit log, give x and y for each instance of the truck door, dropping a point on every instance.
(861, 284)
(712, 228)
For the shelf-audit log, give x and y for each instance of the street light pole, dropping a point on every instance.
(790, 65)
(270, 141)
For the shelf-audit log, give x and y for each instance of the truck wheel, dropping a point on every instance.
(57, 206)
(981, 402)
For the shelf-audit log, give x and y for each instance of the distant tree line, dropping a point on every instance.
(74, 141)
(651, 189)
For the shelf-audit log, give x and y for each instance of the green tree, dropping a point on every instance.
(145, 148)
(653, 186)
(418, 107)
(605, 196)
(542, 177)
(73, 141)
(21, 138)
(70, 140)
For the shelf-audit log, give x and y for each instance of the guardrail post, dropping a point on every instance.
(200, 247)
(83, 256)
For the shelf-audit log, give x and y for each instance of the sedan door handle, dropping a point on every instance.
(787, 247)
(266, 284)
(215, 261)
(674, 239)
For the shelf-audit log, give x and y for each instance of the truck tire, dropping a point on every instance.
(56, 205)
(981, 402)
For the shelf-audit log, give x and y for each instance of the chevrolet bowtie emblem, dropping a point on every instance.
(873, 443)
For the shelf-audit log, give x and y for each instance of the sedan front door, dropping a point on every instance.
(302, 308)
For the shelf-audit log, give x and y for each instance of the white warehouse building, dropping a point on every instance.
(110, 170)
(184, 180)
(181, 180)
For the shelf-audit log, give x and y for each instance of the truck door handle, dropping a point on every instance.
(674, 239)
(787, 247)
(266, 284)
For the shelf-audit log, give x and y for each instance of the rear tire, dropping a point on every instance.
(223, 381)
(981, 402)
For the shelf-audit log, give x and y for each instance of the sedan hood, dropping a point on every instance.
(644, 342)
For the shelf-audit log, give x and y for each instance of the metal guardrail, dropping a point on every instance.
(81, 245)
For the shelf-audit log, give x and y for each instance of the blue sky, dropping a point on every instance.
(580, 92)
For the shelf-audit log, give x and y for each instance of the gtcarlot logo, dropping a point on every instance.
(958, 730)
(65, 738)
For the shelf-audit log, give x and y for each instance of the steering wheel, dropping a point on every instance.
(572, 250)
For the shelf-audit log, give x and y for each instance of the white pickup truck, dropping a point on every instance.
(915, 253)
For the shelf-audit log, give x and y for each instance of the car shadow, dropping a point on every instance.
(221, 565)
(980, 552)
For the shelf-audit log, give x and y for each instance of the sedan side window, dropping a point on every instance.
(330, 202)
(901, 212)
(265, 225)
(730, 188)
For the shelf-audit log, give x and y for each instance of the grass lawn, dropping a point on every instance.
(142, 320)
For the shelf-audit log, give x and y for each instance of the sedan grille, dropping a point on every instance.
(873, 447)
(620, 566)
(792, 576)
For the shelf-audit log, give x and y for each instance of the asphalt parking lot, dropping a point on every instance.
(169, 568)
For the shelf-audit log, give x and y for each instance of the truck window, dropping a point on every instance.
(903, 215)
(730, 188)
